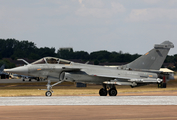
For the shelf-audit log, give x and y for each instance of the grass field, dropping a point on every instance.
(31, 89)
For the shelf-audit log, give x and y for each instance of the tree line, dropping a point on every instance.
(14, 49)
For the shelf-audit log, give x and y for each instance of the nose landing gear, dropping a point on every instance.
(49, 88)
(48, 93)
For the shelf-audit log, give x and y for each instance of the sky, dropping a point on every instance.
(131, 26)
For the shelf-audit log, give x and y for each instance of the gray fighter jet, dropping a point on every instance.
(141, 71)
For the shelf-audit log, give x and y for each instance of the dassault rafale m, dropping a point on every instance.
(144, 70)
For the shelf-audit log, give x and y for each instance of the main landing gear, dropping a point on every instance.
(111, 90)
(49, 88)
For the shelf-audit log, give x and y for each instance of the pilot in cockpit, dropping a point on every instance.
(52, 61)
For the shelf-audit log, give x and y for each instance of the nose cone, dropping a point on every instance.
(18, 70)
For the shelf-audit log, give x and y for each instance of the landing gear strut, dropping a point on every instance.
(49, 88)
(111, 89)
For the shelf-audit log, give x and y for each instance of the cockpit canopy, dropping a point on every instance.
(51, 60)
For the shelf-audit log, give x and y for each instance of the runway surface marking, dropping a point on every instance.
(89, 100)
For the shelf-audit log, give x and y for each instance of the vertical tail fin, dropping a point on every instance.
(2, 68)
(152, 59)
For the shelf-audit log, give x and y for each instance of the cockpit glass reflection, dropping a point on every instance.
(51, 60)
(41, 61)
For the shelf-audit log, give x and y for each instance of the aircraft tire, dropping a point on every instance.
(112, 92)
(48, 94)
(103, 92)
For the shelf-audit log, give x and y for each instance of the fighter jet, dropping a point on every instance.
(2, 73)
(2, 69)
(16, 76)
(142, 71)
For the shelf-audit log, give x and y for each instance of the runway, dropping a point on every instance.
(127, 106)
(89, 100)
(89, 107)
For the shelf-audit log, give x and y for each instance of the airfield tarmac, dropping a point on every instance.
(89, 107)
(89, 100)
(125, 106)
(116, 112)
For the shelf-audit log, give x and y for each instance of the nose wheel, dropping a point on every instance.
(48, 93)
(49, 88)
